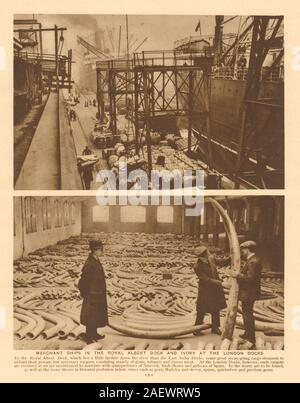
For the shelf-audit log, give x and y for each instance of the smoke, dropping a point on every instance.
(79, 21)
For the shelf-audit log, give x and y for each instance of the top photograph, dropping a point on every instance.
(148, 102)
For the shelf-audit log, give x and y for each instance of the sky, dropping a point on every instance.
(161, 31)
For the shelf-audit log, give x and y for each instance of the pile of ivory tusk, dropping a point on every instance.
(269, 309)
(174, 159)
(235, 344)
(38, 317)
(142, 300)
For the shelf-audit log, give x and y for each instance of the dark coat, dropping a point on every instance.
(87, 151)
(249, 280)
(87, 176)
(210, 291)
(92, 288)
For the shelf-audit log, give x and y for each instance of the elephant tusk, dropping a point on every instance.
(77, 332)
(262, 326)
(59, 323)
(30, 325)
(70, 314)
(22, 302)
(69, 326)
(232, 302)
(17, 325)
(152, 334)
(40, 323)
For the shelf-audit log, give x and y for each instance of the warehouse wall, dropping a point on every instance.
(258, 218)
(42, 226)
(112, 219)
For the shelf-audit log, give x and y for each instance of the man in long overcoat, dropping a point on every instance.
(87, 176)
(92, 287)
(249, 282)
(211, 297)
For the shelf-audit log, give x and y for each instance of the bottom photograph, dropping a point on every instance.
(127, 277)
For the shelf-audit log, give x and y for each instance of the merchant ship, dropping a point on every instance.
(227, 96)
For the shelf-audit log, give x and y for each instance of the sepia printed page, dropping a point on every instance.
(149, 191)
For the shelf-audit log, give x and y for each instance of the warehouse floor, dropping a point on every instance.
(135, 265)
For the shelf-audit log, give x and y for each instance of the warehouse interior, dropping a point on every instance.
(148, 254)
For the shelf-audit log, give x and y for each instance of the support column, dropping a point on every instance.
(216, 221)
(136, 111)
(56, 55)
(148, 138)
(205, 224)
(70, 68)
(190, 110)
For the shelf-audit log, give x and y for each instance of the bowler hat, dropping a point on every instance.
(199, 250)
(95, 244)
(248, 244)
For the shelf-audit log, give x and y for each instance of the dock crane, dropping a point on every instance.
(92, 48)
(116, 49)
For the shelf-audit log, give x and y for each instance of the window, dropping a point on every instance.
(49, 212)
(134, 214)
(30, 214)
(58, 214)
(66, 213)
(27, 214)
(100, 213)
(165, 214)
(202, 217)
(245, 215)
(46, 210)
(256, 213)
(33, 215)
(45, 216)
(73, 213)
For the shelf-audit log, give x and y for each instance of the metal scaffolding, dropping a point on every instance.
(53, 66)
(160, 83)
(170, 83)
(157, 85)
(115, 82)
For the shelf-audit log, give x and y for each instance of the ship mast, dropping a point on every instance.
(218, 39)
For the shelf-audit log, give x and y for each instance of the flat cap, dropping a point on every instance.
(248, 244)
(95, 244)
(200, 250)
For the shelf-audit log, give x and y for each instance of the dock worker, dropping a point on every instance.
(249, 280)
(87, 175)
(92, 287)
(211, 298)
(87, 151)
(72, 114)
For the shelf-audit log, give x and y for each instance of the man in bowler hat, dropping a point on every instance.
(92, 287)
(211, 297)
(249, 289)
